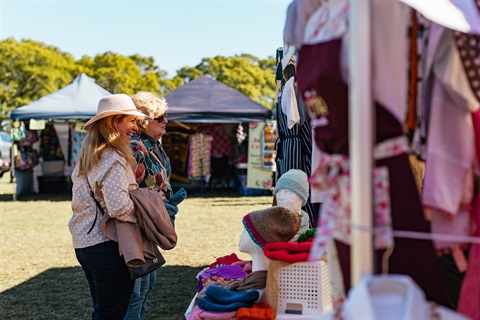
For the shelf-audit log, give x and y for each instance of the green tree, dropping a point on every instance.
(30, 70)
(120, 74)
(248, 74)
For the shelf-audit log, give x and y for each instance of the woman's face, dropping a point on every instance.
(127, 126)
(157, 127)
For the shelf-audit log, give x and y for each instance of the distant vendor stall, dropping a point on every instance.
(47, 136)
(212, 130)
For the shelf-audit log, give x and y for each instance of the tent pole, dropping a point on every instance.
(361, 126)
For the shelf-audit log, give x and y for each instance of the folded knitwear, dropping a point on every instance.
(288, 251)
(220, 299)
(259, 311)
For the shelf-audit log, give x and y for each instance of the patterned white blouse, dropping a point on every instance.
(111, 181)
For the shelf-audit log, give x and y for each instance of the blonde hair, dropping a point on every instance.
(149, 104)
(103, 134)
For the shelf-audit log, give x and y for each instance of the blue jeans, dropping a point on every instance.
(108, 278)
(138, 300)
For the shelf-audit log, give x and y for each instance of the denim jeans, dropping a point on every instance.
(138, 300)
(108, 278)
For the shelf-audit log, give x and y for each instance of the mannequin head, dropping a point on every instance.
(296, 181)
(288, 199)
(246, 245)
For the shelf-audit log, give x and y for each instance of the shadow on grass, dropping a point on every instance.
(8, 197)
(62, 293)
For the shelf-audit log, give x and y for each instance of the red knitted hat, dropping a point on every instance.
(288, 251)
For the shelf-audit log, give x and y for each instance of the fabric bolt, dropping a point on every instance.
(199, 159)
(112, 173)
(259, 311)
(319, 71)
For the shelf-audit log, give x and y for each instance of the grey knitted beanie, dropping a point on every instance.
(296, 181)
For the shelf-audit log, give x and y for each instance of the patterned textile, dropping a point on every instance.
(77, 138)
(333, 176)
(221, 143)
(199, 161)
(50, 145)
(153, 169)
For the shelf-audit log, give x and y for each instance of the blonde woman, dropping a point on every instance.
(105, 168)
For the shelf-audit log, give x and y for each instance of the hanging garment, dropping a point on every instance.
(319, 75)
(468, 301)
(199, 158)
(294, 149)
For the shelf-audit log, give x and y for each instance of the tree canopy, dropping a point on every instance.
(30, 70)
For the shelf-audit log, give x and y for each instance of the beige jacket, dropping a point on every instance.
(153, 227)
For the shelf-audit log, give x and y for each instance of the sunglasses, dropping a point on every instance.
(161, 118)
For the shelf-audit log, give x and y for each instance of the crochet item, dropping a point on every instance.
(288, 251)
(259, 311)
(296, 181)
(274, 224)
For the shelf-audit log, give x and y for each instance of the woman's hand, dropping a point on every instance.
(162, 194)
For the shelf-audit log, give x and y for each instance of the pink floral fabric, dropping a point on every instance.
(333, 177)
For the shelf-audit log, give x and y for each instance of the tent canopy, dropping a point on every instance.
(78, 100)
(207, 100)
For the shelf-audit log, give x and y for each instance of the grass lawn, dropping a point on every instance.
(40, 277)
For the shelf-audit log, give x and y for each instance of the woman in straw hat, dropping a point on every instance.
(105, 168)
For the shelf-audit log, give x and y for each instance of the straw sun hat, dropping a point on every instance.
(113, 105)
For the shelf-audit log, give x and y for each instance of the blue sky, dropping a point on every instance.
(176, 33)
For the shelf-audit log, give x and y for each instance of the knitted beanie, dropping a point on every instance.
(274, 224)
(296, 181)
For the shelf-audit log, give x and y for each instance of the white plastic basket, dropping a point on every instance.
(304, 290)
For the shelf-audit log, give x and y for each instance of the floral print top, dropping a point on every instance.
(153, 165)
